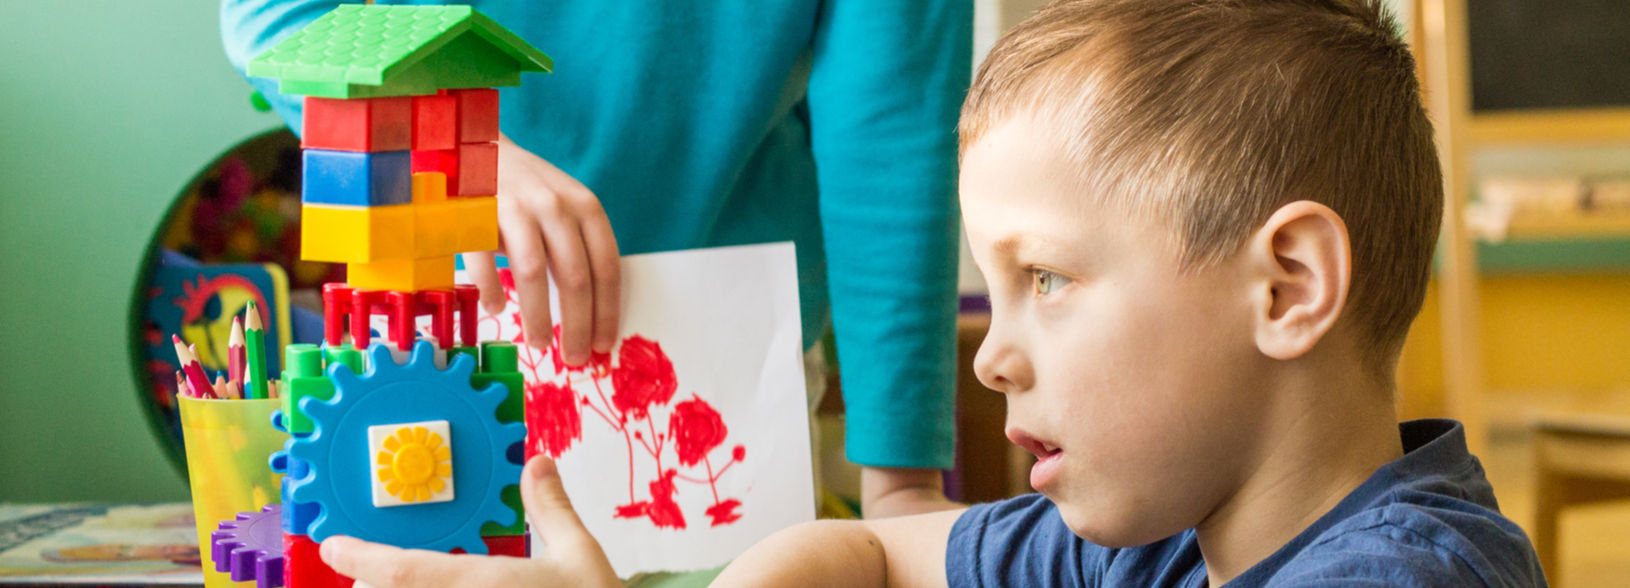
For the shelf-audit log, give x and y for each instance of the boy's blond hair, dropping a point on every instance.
(1211, 114)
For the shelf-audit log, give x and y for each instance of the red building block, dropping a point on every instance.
(471, 168)
(435, 122)
(365, 124)
(477, 170)
(438, 160)
(477, 114)
(506, 545)
(510, 545)
(303, 566)
(341, 304)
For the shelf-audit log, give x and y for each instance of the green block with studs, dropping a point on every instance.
(304, 377)
(345, 354)
(499, 361)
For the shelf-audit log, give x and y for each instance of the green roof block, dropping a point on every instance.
(364, 51)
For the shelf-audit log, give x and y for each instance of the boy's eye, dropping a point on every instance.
(1045, 281)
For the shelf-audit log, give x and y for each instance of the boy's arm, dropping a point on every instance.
(885, 87)
(902, 551)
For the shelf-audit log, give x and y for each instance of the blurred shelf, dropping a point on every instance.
(1584, 225)
(1604, 125)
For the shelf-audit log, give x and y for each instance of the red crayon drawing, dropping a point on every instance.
(631, 394)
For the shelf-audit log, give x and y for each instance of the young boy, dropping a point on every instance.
(1206, 226)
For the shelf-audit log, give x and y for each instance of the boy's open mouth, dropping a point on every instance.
(1048, 458)
(1037, 447)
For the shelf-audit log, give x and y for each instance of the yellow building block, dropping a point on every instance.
(355, 234)
(429, 187)
(457, 225)
(405, 275)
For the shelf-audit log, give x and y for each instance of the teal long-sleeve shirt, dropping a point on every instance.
(697, 124)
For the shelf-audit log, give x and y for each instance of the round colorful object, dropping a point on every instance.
(387, 432)
(251, 547)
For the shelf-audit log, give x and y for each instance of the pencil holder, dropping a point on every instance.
(229, 443)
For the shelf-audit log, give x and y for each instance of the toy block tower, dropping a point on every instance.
(413, 441)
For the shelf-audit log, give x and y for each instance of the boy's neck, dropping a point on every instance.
(1333, 425)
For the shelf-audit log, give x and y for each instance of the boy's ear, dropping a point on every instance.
(1302, 261)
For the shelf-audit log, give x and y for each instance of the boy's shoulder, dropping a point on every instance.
(1426, 519)
(1437, 541)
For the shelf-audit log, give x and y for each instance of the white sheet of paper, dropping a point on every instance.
(728, 320)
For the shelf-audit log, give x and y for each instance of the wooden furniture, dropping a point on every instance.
(991, 467)
(1577, 460)
(1441, 41)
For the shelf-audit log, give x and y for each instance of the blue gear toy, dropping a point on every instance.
(336, 454)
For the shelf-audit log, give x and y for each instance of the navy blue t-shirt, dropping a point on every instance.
(1427, 519)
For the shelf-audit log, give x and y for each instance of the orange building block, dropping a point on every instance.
(355, 234)
(458, 225)
(402, 275)
(429, 187)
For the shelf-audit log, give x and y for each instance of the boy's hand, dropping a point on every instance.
(550, 224)
(572, 556)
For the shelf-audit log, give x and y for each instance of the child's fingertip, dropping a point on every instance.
(545, 468)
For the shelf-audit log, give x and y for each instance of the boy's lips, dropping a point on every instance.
(1048, 457)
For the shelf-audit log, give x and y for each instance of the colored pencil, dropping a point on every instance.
(181, 387)
(255, 352)
(234, 358)
(189, 364)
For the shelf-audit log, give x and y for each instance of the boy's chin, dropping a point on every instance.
(1111, 527)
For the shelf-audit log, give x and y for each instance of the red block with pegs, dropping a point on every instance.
(340, 304)
(365, 124)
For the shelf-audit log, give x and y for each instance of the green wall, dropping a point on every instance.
(109, 109)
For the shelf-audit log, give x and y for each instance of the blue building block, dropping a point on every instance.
(297, 516)
(357, 179)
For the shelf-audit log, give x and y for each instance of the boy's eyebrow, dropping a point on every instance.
(1014, 243)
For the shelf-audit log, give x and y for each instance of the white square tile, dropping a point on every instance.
(412, 463)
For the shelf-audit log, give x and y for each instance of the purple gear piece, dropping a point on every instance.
(251, 547)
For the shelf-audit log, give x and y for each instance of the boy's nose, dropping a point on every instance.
(1000, 365)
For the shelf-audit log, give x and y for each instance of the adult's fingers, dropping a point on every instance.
(529, 265)
(606, 267)
(483, 272)
(574, 286)
(383, 565)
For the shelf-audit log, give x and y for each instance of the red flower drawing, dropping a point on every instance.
(644, 376)
(554, 419)
(642, 383)
(696, 429)
(724, 513)
(664, 511)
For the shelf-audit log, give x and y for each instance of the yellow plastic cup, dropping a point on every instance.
(229, 445)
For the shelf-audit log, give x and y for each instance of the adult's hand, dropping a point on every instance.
(571, 556)
(550, 225)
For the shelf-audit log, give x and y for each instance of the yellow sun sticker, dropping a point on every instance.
(413, 463)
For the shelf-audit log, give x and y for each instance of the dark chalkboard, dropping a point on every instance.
(1546, 54)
